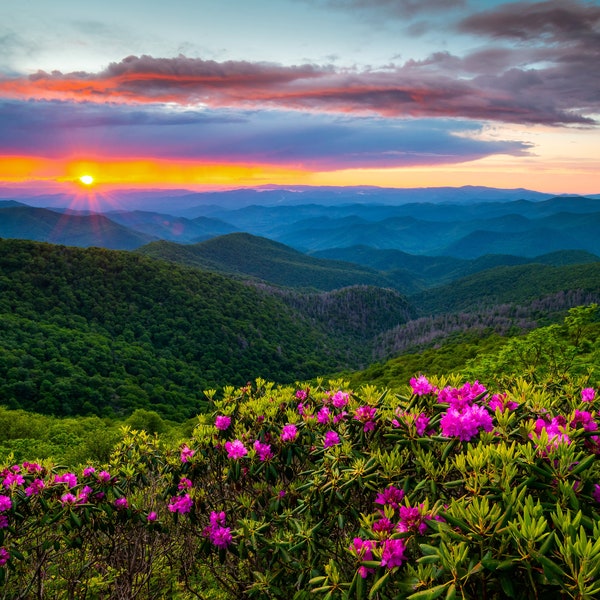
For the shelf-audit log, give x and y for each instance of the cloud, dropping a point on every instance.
(550, 22)
(391, 8)
(554, 50)
(441, 86)
(292, 139)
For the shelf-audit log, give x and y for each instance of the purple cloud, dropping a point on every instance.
(441, 86)
(310, 141)
(550, 22)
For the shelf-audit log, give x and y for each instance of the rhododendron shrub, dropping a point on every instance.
(451, 490)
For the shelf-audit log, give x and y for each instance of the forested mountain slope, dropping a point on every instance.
(252, 256)
(94, 331)
(519, 284)
(41, 224)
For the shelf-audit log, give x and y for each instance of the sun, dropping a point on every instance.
(87, 179)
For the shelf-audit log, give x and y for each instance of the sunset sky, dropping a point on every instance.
(231, 93)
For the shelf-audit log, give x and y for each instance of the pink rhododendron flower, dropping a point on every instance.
(421, 423)
(222, 422)
(13, 479)
(421, 386)
(465, 424)
(32, 467)
(301, 394)
(418, 421)
(35, 487)
(363, 549)
(217, 518)
(289, 433)
(383, 525)
(88, 471)
(412, 518)
(366, 415)
(104, 476)
(331, 439)
(4, 556)
(500, 401)
(181, 504)
(583, 417)
(391, 496)
(235, 449)
(556, 430)
(69, 478)
(219, 535)
(184, 484)
(84, 493)
(186, 453)
(324, 416)
(340, 399)
(393, 553)
(596, 492)
(152, 516)
(340, 417)
(5, 503)
(461, 398)
(588, 394)
(263, 450)
(121, 503)
(68, 498)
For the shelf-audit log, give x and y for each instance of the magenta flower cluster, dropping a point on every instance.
(235, 449)
(588, 394)
(289, 433)
(186, 453)
(421, 386)
(217, 532)
(465, 424)
(418, 421)
(500, 401)
(366, 415)
(392, 553)
(331, 439)
(555, 428)
(222, 422)
(263, 451)
(181, 504)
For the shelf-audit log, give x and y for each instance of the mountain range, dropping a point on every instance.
(459, 229)
(131, 309)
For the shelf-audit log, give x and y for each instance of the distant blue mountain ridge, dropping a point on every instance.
(462, 223)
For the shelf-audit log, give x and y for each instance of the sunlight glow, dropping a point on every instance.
(86, 179)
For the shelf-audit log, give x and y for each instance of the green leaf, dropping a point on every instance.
(379, 584)
(551, 569)
(587, 462)
(431, 593)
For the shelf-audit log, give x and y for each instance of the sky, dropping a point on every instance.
(221, 94)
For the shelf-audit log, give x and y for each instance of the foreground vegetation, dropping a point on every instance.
(448, 488)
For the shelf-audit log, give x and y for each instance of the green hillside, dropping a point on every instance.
(41, 224)
(95, 331)
(412, 273)
(519, 284)
(251, 256)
